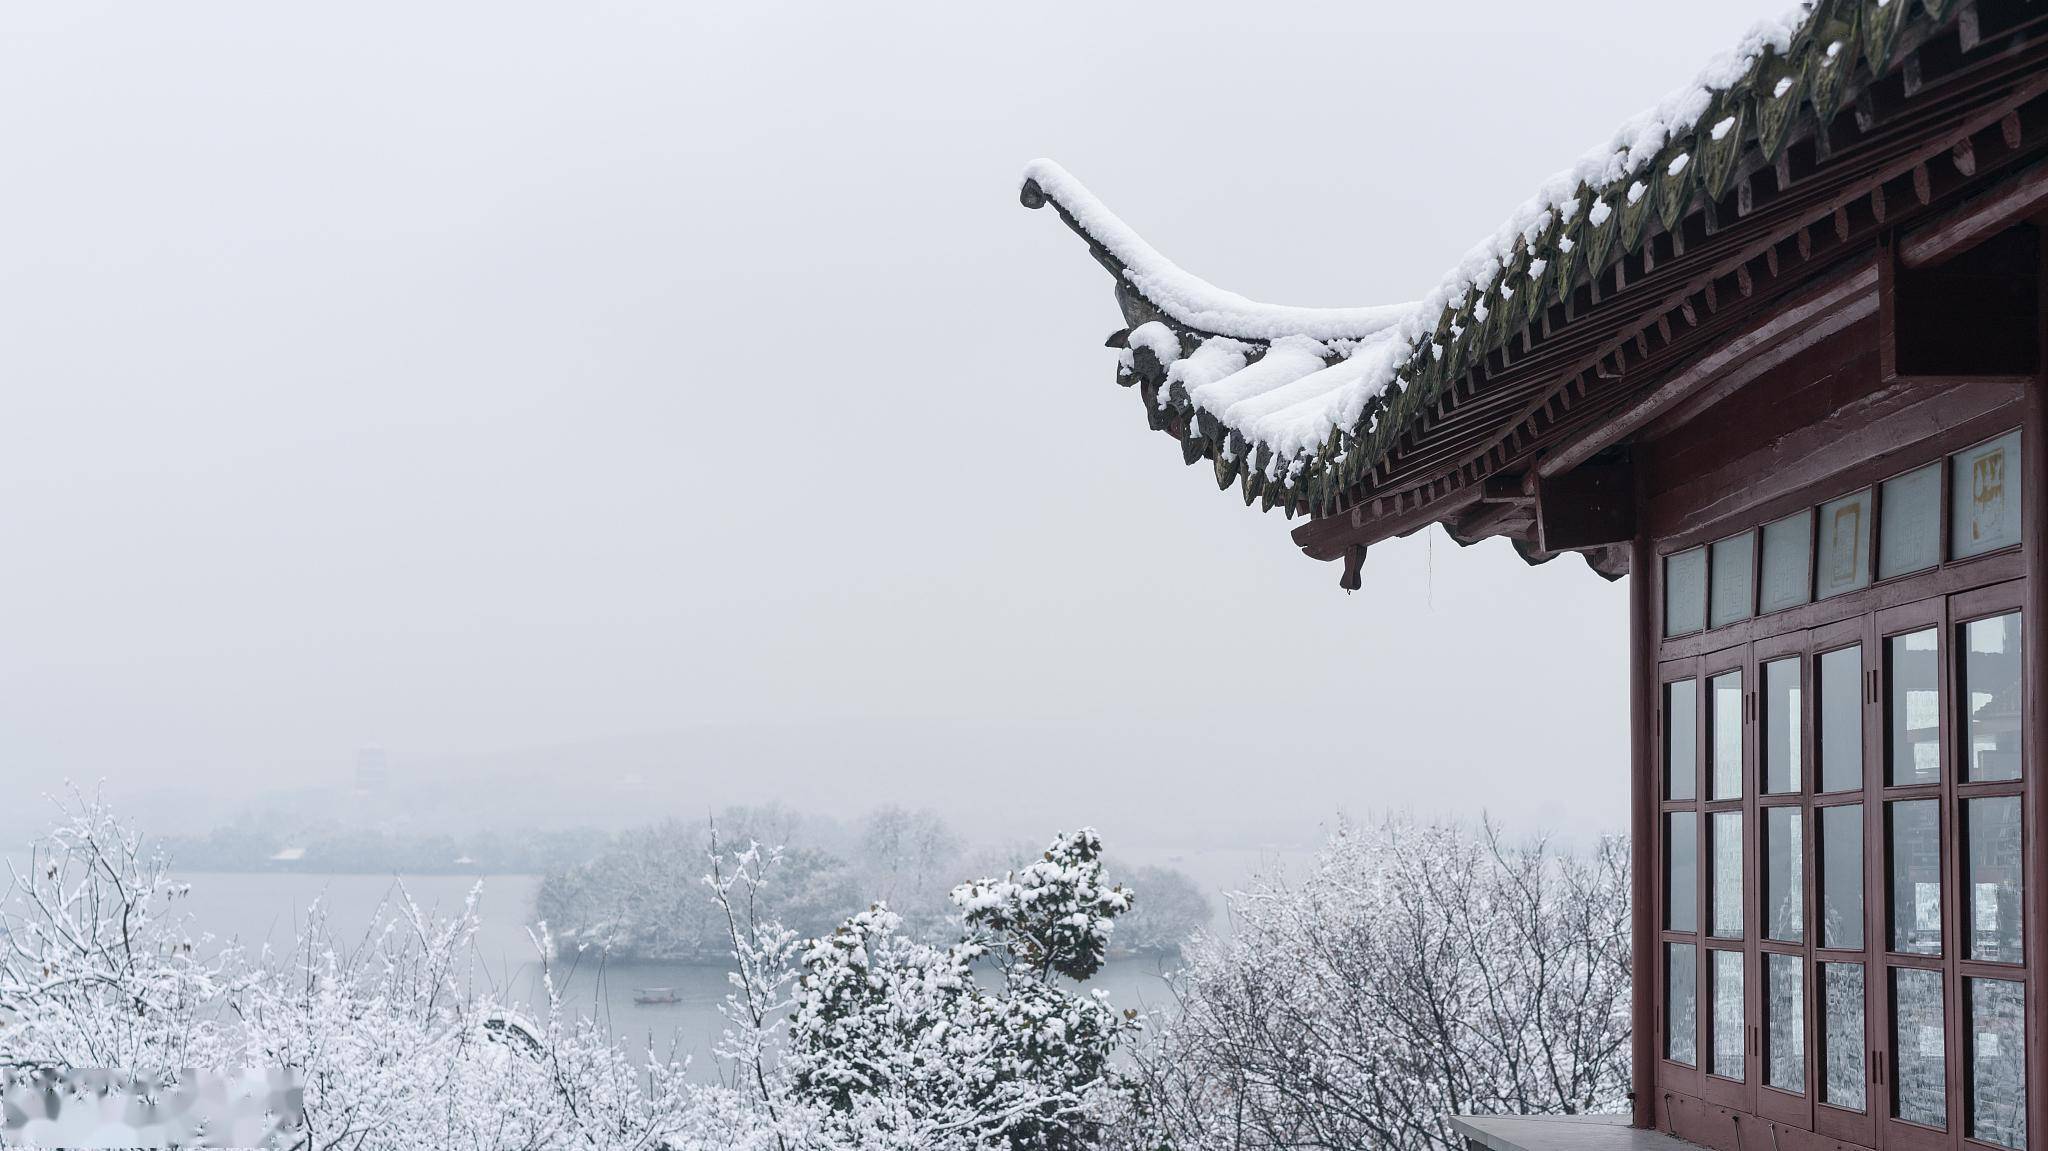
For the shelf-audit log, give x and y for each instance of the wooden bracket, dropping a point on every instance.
(1354, 568)
(1590, 506)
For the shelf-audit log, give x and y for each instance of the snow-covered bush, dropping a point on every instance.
(97, 968)
(903, 1046)
(1417, 972)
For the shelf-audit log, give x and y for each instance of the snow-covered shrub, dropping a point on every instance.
(903, 1045)
(1417, 972)
(97, 968)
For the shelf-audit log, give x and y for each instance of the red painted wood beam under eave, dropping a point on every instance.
(1329, 538)
(1965, 226)
(1837, 302)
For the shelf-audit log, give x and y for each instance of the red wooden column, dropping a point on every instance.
(2034, 642)
(1642, 709)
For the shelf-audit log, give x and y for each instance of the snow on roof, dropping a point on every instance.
(1188, 298)
(1319, 388)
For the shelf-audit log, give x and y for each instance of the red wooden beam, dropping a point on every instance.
(1329, 537)
(1963, 227)
(1735, 357)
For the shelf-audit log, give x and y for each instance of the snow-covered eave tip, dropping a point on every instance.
(1660, 166)
(1178, 295)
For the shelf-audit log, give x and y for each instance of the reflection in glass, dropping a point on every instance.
(1919, 1048)
(1839, 720)
(1840, 856)
(1724, 901)
(1788, 562)
(1841, 1005)
(1681, 1004)
(1991, 685)
(1784, 875)
(1685, 592)
(1731, 579)
(1842, 559)
(1998, 1062)
(1681, 739)
(1724, 743)
(1780, 735)
(1681, 871)
(1728, 1014)
(1984, 497)
(1785, 1013)
(1913, 710)
(1993, 828)
(1909, 522)
(1914, 845)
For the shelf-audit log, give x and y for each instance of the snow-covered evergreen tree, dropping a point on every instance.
(905, 1047)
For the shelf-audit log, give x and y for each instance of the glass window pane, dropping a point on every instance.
(1734, 572)
(1780, 736)
(1788, 562)
(1919, 1048)
(1841, 1005)
(1841, 876)
(1724, 743)
(1993, 827)
(1728, 1014)
(1998, 1062)
(1681, 738)
(1784, 875)
(1681, 1004)
(1913, 708)
(1909, 528)
(1725, 900)
(1681, 871)
(1839, 720)
(1842, 562)
(1985, 497)
(1785, 1017)
(1685, 592)
(1914, 827)
(1991, 684)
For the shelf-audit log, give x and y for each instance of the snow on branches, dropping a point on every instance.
(1417, 972)
(1054, 914)
(904, 1046)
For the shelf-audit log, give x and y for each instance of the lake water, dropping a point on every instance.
(270, 908)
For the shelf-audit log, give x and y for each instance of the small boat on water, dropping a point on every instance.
(652, 996)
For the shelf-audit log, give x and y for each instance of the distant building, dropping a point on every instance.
(373, 770)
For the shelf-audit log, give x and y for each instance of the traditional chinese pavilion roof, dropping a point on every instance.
(1388, 418)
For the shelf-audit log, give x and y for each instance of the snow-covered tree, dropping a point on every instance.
(1173, 912)
(641, 899)
(97, 967)
(906, 859)
(904, 1047)
(1417, 972)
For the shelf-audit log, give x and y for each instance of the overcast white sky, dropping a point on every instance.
(679, 391)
